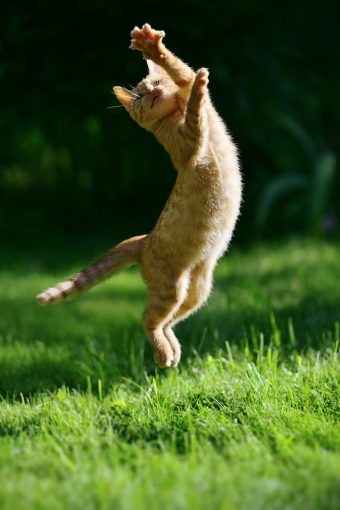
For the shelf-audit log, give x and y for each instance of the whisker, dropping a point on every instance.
(118, 106)
(131, 91)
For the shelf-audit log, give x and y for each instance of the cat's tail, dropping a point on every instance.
(122, 255)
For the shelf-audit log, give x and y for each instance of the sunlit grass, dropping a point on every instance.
(249, 420)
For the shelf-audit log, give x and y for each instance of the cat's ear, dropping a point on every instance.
(124, 96)
(155, 69)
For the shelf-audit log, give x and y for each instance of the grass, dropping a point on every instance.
(248, 421)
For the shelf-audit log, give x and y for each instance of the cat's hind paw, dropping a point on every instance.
(175, 346)
(164, 355)
(201, 80)
(176, 358)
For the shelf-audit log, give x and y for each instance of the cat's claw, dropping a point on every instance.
(147, 40)
(147, 34)
(202, 79)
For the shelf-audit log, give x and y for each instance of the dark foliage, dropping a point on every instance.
(68, 162)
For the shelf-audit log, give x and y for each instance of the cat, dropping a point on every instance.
(178, 256)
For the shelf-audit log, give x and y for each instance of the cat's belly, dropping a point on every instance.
(200, 215)
(206, 236)
(197, 227)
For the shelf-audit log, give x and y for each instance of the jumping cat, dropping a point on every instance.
(178, 256)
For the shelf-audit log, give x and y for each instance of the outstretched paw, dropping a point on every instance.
(147, 40)
(201, 80)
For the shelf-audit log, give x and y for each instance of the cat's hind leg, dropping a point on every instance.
(162, 304)
(198, 293)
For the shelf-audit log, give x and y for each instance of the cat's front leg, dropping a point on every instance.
(194, 128)
(150, 42)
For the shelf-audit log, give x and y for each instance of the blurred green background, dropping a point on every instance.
(71, 165)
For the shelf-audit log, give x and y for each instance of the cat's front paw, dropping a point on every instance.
(201, 80)
(147, 40)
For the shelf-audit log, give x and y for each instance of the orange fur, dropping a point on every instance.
(178, 257)
(124, 254)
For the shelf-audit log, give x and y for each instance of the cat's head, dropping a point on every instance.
(153, 99)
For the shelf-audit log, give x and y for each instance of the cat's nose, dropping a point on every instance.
(152, 92)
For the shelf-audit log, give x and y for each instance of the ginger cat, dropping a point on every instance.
(178, 257)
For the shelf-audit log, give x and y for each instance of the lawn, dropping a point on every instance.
(250, 420)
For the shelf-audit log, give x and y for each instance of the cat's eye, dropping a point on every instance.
(156, 83)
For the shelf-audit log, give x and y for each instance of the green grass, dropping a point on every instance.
(248, 421)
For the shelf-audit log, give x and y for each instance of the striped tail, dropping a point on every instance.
(122, 255)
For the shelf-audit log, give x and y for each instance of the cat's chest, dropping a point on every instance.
(199, 196)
